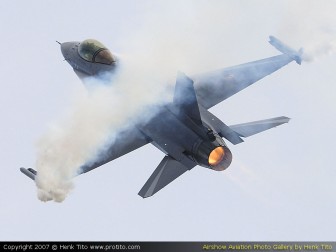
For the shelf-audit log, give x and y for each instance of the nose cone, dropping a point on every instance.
(66, 48)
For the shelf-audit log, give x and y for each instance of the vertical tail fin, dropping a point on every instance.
(185, 97)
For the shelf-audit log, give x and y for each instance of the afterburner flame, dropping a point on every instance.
(216, 156)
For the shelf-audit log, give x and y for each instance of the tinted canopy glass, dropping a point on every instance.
(94, 51)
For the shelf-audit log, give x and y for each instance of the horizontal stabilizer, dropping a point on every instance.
(252, 128)
(31, 173)
(295, 55)
(168, 170)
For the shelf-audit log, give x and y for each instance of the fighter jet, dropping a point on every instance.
(184, 129)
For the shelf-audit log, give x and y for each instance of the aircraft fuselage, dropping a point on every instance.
(185, 140)
(86, 67)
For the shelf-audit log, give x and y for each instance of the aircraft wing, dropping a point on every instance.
(127, 140)
(214, 87)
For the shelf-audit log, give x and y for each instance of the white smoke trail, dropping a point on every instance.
(312, 25)
(96, 118)
(323, 48)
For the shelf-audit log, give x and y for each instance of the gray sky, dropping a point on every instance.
(281, 183)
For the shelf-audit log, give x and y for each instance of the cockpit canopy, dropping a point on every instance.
(93, 51)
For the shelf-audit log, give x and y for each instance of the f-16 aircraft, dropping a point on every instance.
(184, 129)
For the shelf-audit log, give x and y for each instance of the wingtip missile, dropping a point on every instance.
(31, 173)
(285, 49)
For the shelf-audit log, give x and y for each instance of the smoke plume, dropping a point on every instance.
(311, 25)
(95, 119)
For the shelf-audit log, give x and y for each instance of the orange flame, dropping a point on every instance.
(216, 156)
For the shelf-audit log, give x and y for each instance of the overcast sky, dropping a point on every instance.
(281, 183)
